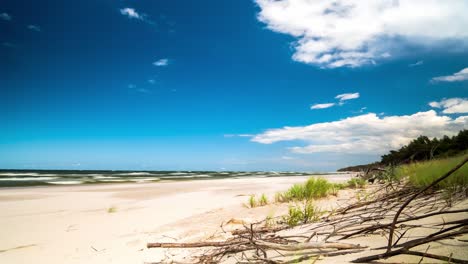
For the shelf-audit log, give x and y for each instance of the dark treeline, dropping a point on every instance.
(423, 148)
(420, 149)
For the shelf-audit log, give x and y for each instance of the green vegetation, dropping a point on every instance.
(263, 200)
(363, 167)
(270, 220)
(313, 188)
(302, 214)
(421, 149)
(357, 183)
(252, 201)
(112, 209)
(421, 174)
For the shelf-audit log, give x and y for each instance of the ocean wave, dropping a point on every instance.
(179, 173)
(188, 176)
(9, 174)
(135, 173)
(65, 182)
(28, 179)
(143, 180)
(100, 176)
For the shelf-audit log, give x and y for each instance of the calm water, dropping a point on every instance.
(17, 178)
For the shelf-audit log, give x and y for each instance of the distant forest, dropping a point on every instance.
(421, 148)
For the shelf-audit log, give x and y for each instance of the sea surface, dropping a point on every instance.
(21, 178)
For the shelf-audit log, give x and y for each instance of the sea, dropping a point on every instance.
(24, 178)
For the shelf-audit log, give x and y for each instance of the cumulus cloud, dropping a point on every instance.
(5, 16)
(452, 105)
(418, 63)
(161, 62)
(322, 106)
(347, 96)
(34, 28)
(131, 13)
(340, 97)
(353, 33)
(364, 134)
(456, 77)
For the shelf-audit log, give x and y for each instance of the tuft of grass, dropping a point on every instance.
(112, 209)
(263, 200)
(270, 220)
(280, 197)
(314, 188)
(317, 188)
(252, 201)
(335, 187)
(302, 214)
(356, 183)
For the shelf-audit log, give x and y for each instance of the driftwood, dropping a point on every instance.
(434, 183)
(392, 210)
(191, 245)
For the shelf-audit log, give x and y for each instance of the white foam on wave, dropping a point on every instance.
(65, 182)
(19, 174)
(28, 179)
(188, 176)
(135, 173)
(143, 180)
(102, 177)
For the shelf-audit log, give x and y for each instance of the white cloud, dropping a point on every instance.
(362, 109)
(353, 33)
(364, 134)
(161, 62)
(34, 28)
(5, 16)
(347, 96)
(418, 63)
(322, 106)
(456, 77)
(452, 105)
(131, 13)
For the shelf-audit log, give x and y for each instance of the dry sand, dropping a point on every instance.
(113, 223)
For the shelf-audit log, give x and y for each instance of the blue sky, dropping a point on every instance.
(234, 85)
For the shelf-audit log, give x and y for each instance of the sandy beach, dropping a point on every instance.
(111, 223)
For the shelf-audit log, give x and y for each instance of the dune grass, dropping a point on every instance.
(421, 174)
(252, 201)
(356, 183)
(112, 209)
(302, 214)
(263, 200)
(313, 188)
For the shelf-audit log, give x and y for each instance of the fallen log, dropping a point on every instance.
(195, 244)
(307, 245)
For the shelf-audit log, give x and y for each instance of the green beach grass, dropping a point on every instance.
(313, 188)
(421, 174)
